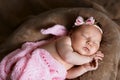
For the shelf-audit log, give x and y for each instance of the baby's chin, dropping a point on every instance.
(84, 53)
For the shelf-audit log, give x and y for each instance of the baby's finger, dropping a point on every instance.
(98, 58)
(100, 54)
(94, 65)
(96, 61)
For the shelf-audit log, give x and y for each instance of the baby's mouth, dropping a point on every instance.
(86, 49)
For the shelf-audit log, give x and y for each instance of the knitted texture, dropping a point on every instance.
(31, 63)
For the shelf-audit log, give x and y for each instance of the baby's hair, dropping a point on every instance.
(74, 28)
(98, 24)
(88, 21)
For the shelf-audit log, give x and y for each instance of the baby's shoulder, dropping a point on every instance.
(65, 39)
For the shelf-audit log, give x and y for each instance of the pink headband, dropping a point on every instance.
(90, 21)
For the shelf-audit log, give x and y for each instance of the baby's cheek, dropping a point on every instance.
(93, 51)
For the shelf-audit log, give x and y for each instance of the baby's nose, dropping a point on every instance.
(90, 43)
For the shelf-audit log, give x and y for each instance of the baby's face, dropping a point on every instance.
(86, 40)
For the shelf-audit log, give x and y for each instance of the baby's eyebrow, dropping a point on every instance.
(97, 40)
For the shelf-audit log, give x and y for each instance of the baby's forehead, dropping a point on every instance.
(90, 28)
(86, 26)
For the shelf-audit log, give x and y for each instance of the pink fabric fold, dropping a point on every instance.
(57, 30)
(31, 63)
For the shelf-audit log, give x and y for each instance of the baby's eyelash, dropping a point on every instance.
(84, 36)
(95, 43)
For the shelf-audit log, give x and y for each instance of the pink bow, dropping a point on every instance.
(90, 21)
(80, 21)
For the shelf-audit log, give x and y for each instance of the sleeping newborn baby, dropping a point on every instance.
(68, 56)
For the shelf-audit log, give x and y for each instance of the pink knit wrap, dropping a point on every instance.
(31, 63)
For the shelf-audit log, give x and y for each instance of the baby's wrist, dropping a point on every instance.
(91, 58)
(85, 68)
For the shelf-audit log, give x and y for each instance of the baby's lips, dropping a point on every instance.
(86, 49)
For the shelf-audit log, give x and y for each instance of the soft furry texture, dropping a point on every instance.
(29, 31)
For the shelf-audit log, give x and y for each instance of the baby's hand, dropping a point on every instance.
(91, 66)
(98, 55)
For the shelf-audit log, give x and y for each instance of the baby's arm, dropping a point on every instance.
(63, 46)
(75, 72)
(80, 70)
